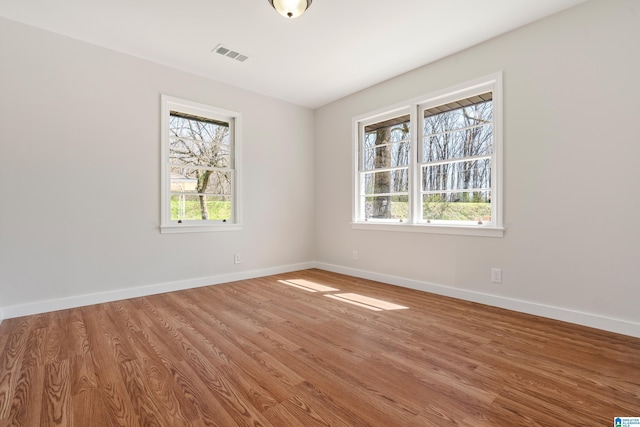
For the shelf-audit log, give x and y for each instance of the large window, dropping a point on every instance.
(200, 146)
(433, 165)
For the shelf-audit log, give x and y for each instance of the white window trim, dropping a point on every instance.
(169, 103)
(493, 83)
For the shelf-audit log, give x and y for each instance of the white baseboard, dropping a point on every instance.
(140, 291)
(558, 313)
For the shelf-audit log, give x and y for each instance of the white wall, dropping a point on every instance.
(79, 177)
(80, 171)
(572, 149)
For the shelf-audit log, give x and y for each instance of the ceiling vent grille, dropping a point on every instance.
(225, 51)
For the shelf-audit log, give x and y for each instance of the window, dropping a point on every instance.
(384, 176)
(434, 164)
(200, 156)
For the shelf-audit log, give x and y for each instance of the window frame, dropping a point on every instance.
(415, 107)
(234, 119)
(387, 115)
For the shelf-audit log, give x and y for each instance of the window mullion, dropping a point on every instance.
(389, 169)
(415, 187)
(200, 167)
(401, 193)
(459, 160)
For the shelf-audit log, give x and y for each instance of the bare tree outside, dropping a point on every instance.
(386, 157)
(382, 180)
(199, 154)
(445, 174)
(457, 150)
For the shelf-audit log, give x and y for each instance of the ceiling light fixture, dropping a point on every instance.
(290, 8)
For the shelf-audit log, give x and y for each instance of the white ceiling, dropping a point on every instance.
(334, 49)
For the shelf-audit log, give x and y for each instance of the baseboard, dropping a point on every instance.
(558, 313)
(120, 294)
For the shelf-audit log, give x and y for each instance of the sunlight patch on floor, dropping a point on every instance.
(367, 302)
(350, 298)
(308, 285)
(348, 301)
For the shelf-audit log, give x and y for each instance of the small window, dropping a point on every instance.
(433, 165)
(199, 167)
(384, 156)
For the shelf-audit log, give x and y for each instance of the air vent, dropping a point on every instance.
(225, 51)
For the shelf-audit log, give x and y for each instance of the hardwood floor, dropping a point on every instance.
(266, 353)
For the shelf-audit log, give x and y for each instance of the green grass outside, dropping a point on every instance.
(218, 210)
(458, 211)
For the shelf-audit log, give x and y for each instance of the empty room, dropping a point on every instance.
(319, 213)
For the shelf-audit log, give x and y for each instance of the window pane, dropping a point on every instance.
(391, 130)
(458, 133)
(387, 207)
(201, 128)
(462, 206)
(392, 155)
(199, 141)
(190, 153)
(396, 181)
(194, 207)
(386, 144)
(458, 118)
(466, 175)
(477, 141)
(185, 180)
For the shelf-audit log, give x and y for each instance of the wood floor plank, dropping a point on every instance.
(222, 378)
(246, 342)
(311, 409)
(56, 398)
(146, 407)
(105, 361)
(11, 361)
(26, 399)
(232, 354)
(87, 400)
(261, 353)
(336, 381)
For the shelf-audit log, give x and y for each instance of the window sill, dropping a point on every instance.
(186, 228)
(470, 230)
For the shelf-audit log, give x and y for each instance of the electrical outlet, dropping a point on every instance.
(355, 255)
(236, 258)
(496, 275)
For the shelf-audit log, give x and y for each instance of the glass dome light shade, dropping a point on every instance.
(290, 8)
